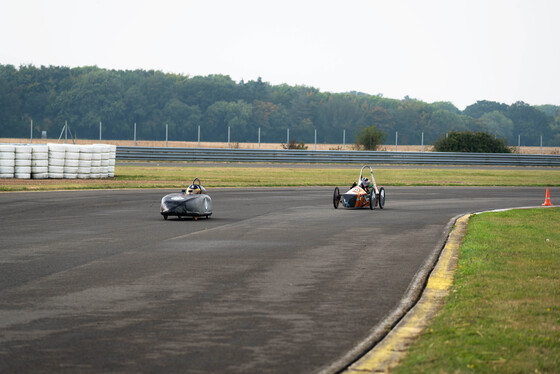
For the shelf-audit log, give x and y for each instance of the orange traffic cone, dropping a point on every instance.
(547, 200)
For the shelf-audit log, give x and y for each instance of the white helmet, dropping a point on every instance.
(365, 183)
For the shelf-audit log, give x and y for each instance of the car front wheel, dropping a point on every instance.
(336, 197)
(381, 197)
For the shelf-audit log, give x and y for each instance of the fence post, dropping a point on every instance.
(288, 138)
(519, 143)
(100, 126)
(198, 136)
(166, 134)
(65, 132)
(315, 139)
(344, 139)
(259, 138)
(396, 141)
(135, 134)
(422, 141)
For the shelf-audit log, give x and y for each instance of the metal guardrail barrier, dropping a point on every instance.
(342, 157)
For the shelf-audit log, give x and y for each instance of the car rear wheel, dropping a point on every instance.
(336, 197)
(381, 197)
(372, 198)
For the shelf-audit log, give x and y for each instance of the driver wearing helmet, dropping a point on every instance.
(365, 184)
(194, 189)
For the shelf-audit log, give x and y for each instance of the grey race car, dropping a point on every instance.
(192, 202)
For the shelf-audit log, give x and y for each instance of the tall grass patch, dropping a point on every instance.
(503, 313)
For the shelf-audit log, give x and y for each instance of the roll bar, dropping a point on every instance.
(372, 178)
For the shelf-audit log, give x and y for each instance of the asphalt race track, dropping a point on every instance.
(275, 281)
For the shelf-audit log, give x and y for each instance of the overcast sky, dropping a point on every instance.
(432, 50)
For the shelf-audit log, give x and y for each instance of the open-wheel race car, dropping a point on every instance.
(362, 194)
(192, 202)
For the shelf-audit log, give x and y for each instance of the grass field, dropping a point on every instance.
(503, 313)
(234, 176)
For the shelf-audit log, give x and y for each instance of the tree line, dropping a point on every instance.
(86, 96)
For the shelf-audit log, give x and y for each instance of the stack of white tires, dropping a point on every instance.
(22, 167)
(83, 161)
(84, 164)
(71, 161)
(96, 161)
(7, 160)
(112, 159)
(104, 170)
(58, 161)
(57, 156)
(39, 161)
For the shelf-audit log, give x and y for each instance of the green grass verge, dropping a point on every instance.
(227, 176)
(503, 312)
